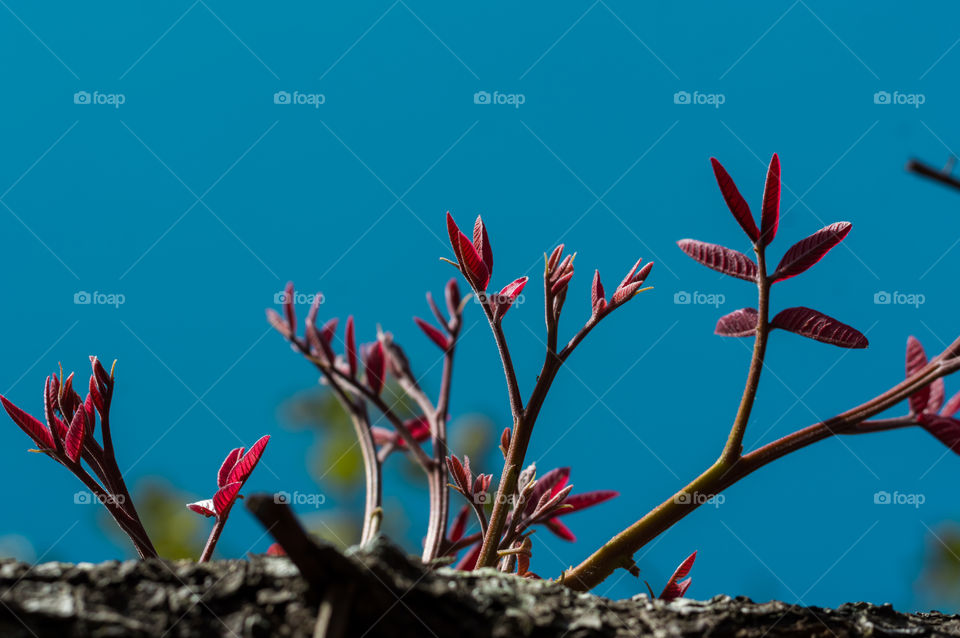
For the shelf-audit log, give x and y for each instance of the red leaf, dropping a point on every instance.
(952, 406)
(469, 560)
(224, 498)
(720, 258)
(561, 530)
(917, 359)
(203, 507)
(452, 294)
(471, 263)
(278, 323)
(673, 588)
(326, 337)
(375, 367)
(73, 443)
(578, 502)
(228, 464)
(946, 429)
(938, 392)
(806, 252)
(433, 334)
(276, 549)
(505, 298)
(735, 202)
(739, 323)
(482, 243)
(459, 525)
(351, 340)
(242, 470)
(545, 485)
(288, 309)
(818, 326)
(770, 214)
(34, 429)
(597, 299)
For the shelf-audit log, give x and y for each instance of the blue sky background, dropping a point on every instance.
(199, 197)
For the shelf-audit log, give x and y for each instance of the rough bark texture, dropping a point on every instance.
(392, 596)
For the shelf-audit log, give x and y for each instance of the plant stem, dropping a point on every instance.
(617, 551)
(437, 476)
(212, 540)
(734, 446)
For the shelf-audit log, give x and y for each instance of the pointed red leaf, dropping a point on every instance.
(806, 252)
(469, 560)
(482, 243)
(578, 502)
(205, 507)
(770, 214)
(739, 323)
(505, 298)
(546, 485)
(224, 498)
(952, 406)
(938, 392)
(451, 293)
(34, 429)
(375, 367)
(351, 346)
(673, 588)
(917, 359)
(278, 323)
(459, 525)
(561, 530)
(227, 466)
(326, 337)
(471, 263)
(241, 471)
(597, 298)
(818, 326)
(735, 202)
(720, 258)
(946, 429)
(288, 310)
(73, 443)
(433, 334)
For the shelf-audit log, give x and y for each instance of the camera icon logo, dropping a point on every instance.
(481, 97)
(681, 297)
(481, 498)
(881, 498)
(280, 297)
(281, 97)
(683, 498)
(82, 298)
(882, 298)
(681, 97)
(82, 498)
(881, 97)
(81, 97)
(282, 498)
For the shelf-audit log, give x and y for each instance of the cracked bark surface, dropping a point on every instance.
(392, 595)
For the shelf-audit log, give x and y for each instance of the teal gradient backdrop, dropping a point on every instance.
(199, 196)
